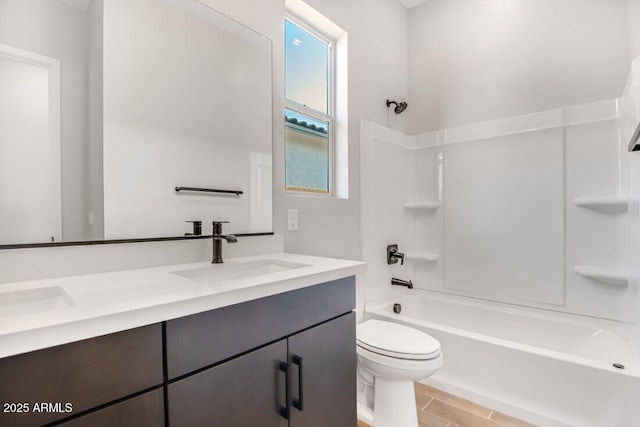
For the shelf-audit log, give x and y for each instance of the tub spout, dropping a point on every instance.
(399, 282)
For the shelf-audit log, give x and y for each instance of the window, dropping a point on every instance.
(309, 109)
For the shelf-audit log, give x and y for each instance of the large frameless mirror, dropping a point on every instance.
(109, 106)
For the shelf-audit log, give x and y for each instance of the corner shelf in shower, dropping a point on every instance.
(422, 206)
(422, 257)
(610, 276)
(601, 203)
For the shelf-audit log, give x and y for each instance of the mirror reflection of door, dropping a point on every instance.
(30, 206)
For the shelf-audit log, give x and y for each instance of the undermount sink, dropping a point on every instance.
(221, 272)
(32, 301)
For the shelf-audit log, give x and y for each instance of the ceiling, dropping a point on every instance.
(84, 4)
(411, 3)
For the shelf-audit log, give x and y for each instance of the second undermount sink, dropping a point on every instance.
(33, 301)
(233, 271)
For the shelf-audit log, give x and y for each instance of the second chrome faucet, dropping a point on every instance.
(218, 237)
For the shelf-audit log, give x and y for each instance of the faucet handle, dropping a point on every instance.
(217, 226)
(197, 228)
(393, 255)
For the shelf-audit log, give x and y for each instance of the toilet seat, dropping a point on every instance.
(396, 341)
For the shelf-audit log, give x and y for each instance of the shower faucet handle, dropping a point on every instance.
(393, 255)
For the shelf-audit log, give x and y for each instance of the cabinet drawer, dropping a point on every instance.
(146, 410)
(203, 339)
(85, 374)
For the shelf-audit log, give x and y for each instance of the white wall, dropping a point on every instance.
(473, 61)
(633, 15)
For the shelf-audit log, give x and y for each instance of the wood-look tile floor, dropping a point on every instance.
(439, 409)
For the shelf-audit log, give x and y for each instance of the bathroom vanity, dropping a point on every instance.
(267, 340)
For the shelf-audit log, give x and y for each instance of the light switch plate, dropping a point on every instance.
(292, 220)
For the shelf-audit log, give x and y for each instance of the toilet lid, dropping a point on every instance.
(396, 340)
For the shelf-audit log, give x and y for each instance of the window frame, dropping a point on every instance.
(328, 117)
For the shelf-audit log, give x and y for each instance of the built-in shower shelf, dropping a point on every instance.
(422, 206)
(611, 202)
(610, 276)
(421, 257)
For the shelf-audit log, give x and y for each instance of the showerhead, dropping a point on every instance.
(400, 107)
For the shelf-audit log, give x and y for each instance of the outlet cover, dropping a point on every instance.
(292, 220)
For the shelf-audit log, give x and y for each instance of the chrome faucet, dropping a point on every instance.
(218, 237)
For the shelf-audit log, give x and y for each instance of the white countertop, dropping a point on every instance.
(110, 302)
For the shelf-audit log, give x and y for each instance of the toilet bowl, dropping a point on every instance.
(390, 358)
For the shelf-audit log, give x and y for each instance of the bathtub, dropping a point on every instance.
(548, 368)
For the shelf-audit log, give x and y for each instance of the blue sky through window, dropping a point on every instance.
(306, 68)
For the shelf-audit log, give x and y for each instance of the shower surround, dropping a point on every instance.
(537, 212)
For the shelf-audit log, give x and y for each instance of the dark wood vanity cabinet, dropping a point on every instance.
(84, 374)
(317, 388)
(307, 334)
(286, 360)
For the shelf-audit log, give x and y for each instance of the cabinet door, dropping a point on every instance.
(146, 410)
(243, 392)
(323, 374)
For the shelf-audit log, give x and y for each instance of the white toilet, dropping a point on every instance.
(390, 357)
